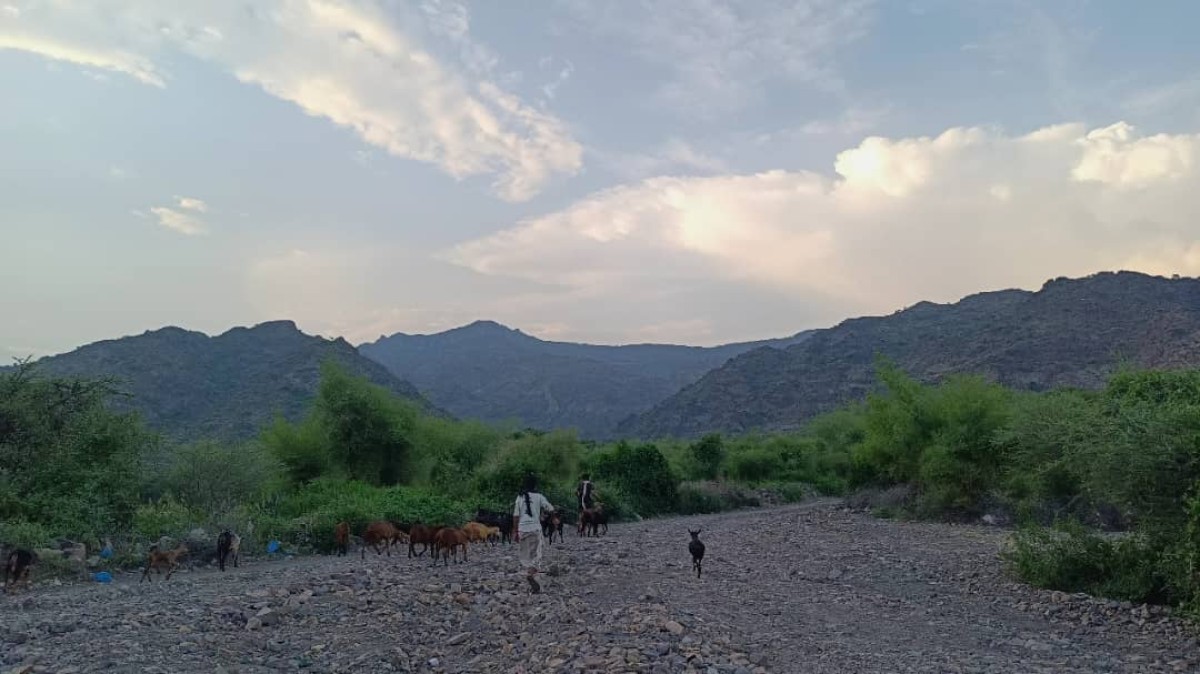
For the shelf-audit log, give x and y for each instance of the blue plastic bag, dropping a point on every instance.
(272, 547)
(103, 577)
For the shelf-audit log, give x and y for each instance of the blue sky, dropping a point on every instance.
(694, 171)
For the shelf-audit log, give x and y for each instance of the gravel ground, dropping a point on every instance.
(807, 588)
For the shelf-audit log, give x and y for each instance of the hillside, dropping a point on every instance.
(493, 373)
(1068, 333)
(189, 385)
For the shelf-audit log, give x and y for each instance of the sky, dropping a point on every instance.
(686, 171)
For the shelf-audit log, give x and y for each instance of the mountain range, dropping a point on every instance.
(1071, 332)
(191, 386)
(493, 373)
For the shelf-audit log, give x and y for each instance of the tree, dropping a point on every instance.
(368, 428)
(708, 453)
(67, 463)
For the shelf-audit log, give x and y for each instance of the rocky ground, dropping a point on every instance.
(807, 588)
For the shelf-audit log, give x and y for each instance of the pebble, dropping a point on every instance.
(922, 598)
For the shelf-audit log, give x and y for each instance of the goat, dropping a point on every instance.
(156, 559)
(228, 543)
(551, 524)
(380, 531)
(502, 521)
(476, 532)
(341, 538)
(591, 520)
(17, 566)
(447, 542)
(421, 535)
(493, 534)
(696, 547)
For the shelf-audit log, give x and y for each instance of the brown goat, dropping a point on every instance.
(447, 542)
(591, 520)
(156, 559)
(378, 532)
(421, 535)
(476, 532)
(341, 538)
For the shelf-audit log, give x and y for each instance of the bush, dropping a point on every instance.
(553, 457)
(642, 475)
(1071, 559)
(307, 517)
(713, 497)
(708, 454)
(754, 465)
(216, 478)
(67, 462)
(165, 517)
(24, 534)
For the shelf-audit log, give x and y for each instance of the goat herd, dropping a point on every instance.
(381, 536)
(445, 542)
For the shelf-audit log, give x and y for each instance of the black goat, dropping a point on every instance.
(17, 566)
(697, 549)
(228, 543)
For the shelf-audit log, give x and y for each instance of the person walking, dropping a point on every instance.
(586, 491)
(527, 525)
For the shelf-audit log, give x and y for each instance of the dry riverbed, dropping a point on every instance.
(807, 588)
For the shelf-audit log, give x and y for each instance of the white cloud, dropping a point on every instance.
(356, 63)
(723, 53)
(106, 58)
(184, 223)
(191, 204)
(904, 219)
(673, 156)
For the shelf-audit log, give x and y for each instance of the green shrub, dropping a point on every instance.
(708, 453)
(1071, 559)
(642, 475)
(553, 457)
(217, 478)
(791, 492)
(754, 465)
(307, 517)
(165, 517)
(67, 462)
(713, 497)
(24, 534)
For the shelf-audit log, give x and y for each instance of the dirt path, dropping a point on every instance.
(806, 588)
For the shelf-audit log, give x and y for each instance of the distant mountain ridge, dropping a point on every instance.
(1068, 333)
(493, 373)
(190, 386)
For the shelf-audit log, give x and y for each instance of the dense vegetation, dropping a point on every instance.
(71, 467)
(1103, 484)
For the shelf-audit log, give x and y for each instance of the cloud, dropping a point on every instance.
(105, 58)
(902, 220)
(191, 204)
(184, 223)
(673, 156)
(723, 54)
(550, 89)
(359, 64)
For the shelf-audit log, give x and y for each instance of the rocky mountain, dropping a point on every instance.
(1068, 333)
(189, 385)
(494, 373)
